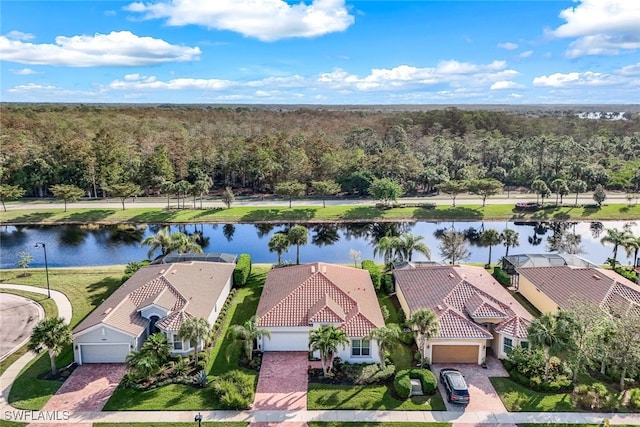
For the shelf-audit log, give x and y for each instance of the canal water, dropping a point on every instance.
(92, 245)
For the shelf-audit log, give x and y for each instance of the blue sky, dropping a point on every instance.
(321, 52)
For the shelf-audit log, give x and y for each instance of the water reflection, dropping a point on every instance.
(74, 245)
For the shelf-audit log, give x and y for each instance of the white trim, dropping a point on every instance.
(104, 325)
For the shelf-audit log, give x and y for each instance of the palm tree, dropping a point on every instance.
(326, 340)
(194, 329)
(386, 247)
(247, 333)
(510, 239)
(182, 243)
(142, 364)
(279, 243)
(551, 333)
(407, 243)
(169, 242)
(157, 346)
(385, 336)
(298, 235)
(426, 325)
(616, 238)
(50, 334)
(632, 246)
(489, 238)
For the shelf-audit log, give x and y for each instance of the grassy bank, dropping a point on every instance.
(86, 288)
(473, 212)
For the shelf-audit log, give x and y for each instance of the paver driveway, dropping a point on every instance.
(282, 384)
(483, 395)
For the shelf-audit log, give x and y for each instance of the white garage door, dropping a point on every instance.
(286, 341)
(104, 353)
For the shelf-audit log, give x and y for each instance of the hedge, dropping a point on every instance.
(402, 381)
(374, 272)
(242, 271)
(501, 276)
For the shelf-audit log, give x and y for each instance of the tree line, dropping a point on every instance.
(121, 151)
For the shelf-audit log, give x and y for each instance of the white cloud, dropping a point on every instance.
(505, 84)
(19, 35)
(516, 95)
(525, 54)
(24, 71)
(137, 82)
(588, 78)
(115, 49)
(508, 46)
(601, 27)
(266, 20)
(32, 87)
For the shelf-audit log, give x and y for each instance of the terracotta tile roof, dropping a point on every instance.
(191, 286)
(458, 294)
(173, 321)
(304, 294)
(565, 284)
(515, 327)
(455, 325)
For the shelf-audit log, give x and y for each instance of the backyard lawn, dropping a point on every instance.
(224, 354)
(367, 397)
(86, 288)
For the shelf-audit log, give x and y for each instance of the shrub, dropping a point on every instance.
(242, 271)
(402, 381)
(501, 276)
(593, 397)
(374, 272)
(528, 206)
(402, 384)
(368, 374)
(634, 398)
(234, 389)
(132, 267)
(200, 379)
(388, 283)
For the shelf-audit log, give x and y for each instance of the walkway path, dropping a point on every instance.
(279, 417)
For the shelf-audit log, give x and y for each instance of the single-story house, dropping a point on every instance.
(555, 288)
(157, 298)
(297, 299)
(474, 311)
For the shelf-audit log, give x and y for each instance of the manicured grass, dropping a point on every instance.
(242, 214)
(571, 425)
(204, 423)
(370, 397)
(372, 424)
(401, 354)
(517, 398)
(86, 288)
(50, 310)
(5, 423)
(224, 354)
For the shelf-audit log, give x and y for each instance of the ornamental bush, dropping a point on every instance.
(402, 381)
(242, 271)
(374, 272)
(234, 389)
(402, 384)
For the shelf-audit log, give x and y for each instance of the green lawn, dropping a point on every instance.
(50, 310)
(517, 398)
(369, 397)
(225, 356)
(401, 354)
(571, 425)
(44, 215)
(86, 288)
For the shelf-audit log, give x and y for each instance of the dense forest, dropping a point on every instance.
(252, 150)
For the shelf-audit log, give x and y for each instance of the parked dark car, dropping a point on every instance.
(454, 385)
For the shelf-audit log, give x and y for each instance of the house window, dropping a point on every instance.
(360, 347)
(177, 342)
(507, 345)
(524, 344)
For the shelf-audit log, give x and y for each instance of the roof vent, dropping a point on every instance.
(162, 271)
(595, 276)
(108, 310)
(324, 269)
(451, 275)
(439, 307)
(313, 269)
(174, 272)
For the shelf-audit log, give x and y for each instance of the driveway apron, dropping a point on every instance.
(86, 390)
(483, 396)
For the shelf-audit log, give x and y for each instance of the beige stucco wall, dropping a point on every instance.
(539, 299)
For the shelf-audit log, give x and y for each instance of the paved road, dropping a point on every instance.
(159, 202)
(19, 316)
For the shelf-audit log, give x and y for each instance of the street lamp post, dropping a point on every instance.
(46, 265)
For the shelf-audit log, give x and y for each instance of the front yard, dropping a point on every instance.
(367, 397)
(225, 356)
